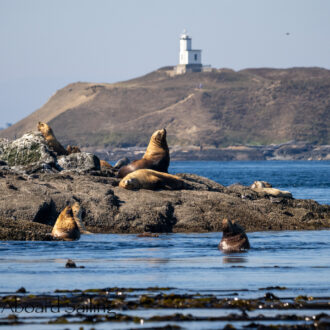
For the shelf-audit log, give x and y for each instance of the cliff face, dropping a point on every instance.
(213, 109)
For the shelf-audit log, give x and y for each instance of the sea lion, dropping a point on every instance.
(265, 187)
(65, 226)
(156, 157)
(72, 149)
(234, 238)
(104, 164)
(121, 162)
(77, 215)
(50, 138)
(150, 179)
(147, 234)
(260, 184)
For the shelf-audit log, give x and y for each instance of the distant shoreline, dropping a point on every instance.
(286, 151)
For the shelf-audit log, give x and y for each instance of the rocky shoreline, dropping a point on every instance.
(286, 151)
(36, 185)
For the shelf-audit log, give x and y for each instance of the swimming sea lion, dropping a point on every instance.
(156, 157)
(147, 234)
(65, 226)
(77, 215)
(234, 238)
(121, 162)
(50, 138)
(265, 187)
(150, 179)
(72, 149)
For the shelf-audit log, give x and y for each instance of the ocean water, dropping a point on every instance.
(299, 261)
(189, 263)
(304, 179)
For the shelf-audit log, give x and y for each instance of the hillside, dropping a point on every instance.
(213, 109)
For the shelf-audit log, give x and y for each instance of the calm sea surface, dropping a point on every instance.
(297, 260)
(304, 179)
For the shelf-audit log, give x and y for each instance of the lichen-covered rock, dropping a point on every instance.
(79, 162)
(29, 151)
(30, 154)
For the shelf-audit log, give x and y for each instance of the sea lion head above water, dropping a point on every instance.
(65, 226)
(234, 238)
(156, 157)
(77, 215)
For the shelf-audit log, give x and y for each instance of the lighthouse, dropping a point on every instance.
(190, 60)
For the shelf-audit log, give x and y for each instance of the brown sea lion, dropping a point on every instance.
(266, 188)
(150, 179)
(147, 234)
(234, 238)
(156, 157)
(121, 162)
(72, 149)
(50, 138)
(65, 226)
(104, 164)
(77, 215)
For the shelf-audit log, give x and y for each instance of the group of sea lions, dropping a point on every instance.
(150, 172)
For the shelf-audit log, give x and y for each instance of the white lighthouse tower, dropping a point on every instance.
(190, 60)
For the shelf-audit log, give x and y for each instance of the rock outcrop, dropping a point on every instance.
(30, 154)
(36, 186)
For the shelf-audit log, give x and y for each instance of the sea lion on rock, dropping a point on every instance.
(50, 138)
(150, 179)
(260, 184)
(234, 238)
(72, 149)
(65, 226)
(104, 164)
(156, 157)
(77, 215)
(121, 162)
(266, 188)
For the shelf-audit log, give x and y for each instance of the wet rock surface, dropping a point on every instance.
(30, 205)
(155, 305)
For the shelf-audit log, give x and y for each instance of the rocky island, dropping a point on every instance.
(36, 184)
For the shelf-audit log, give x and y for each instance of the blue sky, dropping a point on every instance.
(47, 44)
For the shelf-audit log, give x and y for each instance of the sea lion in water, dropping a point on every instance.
(150, 179)
(50, 138)
(77, 215)
(156, 157)
(234, 238)
(265, 187)
(65, 226)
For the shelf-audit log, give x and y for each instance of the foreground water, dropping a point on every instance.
(299, 262)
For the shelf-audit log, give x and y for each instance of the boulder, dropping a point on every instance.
(79, 162)
(31, 154)
(26, 153)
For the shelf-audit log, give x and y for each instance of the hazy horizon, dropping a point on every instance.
(47, 45)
